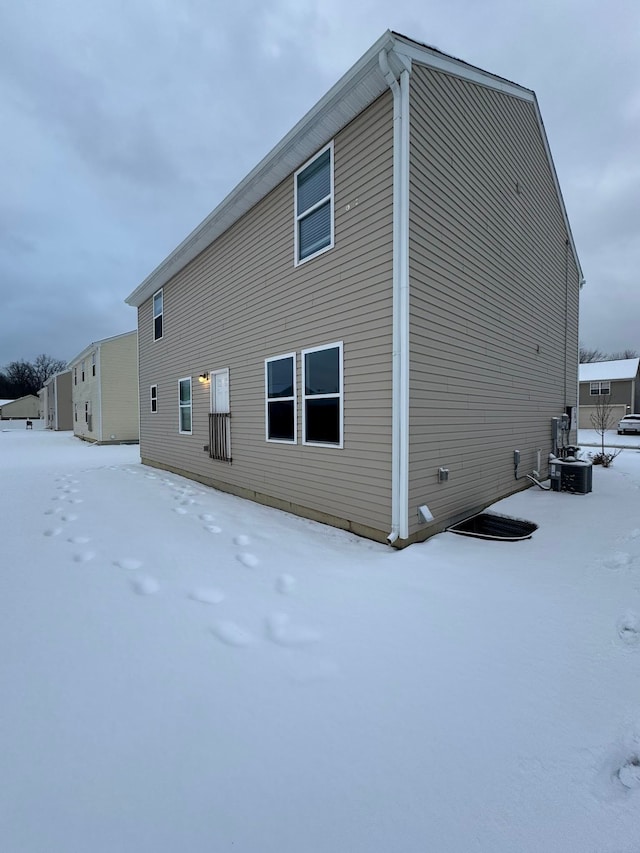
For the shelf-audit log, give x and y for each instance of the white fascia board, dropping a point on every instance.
(358, 88)
(355, 91)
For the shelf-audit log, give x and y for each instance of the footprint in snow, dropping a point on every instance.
(618, 560)
(248, 560)
(279, 630)
(83, 556)
(285, 584)
(69, 516)
(629, 773)
(232, 634)
(241, 539)
(634, 533)
(53, 511)
(129, 563)
(207, 596)
(53, 531)
(75, 501)
(145, 585)
(79, 540)
(629, 629)
(206, 516)
(213, 528)
(180, 510)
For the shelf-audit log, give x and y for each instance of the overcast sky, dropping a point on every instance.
(124, 123)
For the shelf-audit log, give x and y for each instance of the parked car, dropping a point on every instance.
(629, 423)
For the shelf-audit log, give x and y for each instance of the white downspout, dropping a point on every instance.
(55, 401)
(400, 362)
(99, 378)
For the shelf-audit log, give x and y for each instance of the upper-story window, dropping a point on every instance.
(75, 375)
(314, 206)
(157, 315)
(93, 364)
(82, 370)
(596, 388)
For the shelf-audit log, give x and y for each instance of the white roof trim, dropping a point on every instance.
(358, 88)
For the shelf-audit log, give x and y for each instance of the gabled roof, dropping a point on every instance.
(598, 371)
(355, 91)
(94, 344)
(4, 402)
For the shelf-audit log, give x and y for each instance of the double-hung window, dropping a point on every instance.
(154, 398)
(82, 370)
(281, 403)
(93, 364)
(184, 405)
(322, 395)
(158, 304)
(596, 388)
(314, 206)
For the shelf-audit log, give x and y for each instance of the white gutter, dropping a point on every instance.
(400, 345)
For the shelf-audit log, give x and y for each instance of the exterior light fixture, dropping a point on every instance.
(204, 377)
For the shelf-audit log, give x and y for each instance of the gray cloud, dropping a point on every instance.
(125, 124)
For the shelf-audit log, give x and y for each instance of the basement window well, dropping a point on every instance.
(486, 525)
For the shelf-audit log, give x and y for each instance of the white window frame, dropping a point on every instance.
(299, 216)
(87, 412)
(180, 406)
(597, 388)
(75, 375)
(75, 413)
(159, 314)
(82, 369)
(153, 398)
(268, 399)
(339, 395)
(93, 364)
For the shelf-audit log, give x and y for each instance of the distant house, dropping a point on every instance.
(104, 390)
(24, 408)
(618, 380)
(366, 328)
(56, 401)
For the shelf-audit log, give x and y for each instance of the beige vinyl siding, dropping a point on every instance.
(489, 264)
(118, 367)
(243, 300)
(22, 408)
(86, 391)
(63, 396)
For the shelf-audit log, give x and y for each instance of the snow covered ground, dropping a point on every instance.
(186, 671)
(589, 437)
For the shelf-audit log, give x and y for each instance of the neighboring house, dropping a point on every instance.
(618, 381)
(56, 401)
(104, 390)
(24, 408)
(368, 323)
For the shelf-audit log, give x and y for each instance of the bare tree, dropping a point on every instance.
(24, 377)
(602, 419)
(44, 367)
(625, 353)
(589, 355)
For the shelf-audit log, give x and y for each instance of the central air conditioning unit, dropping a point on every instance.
(575, 477)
